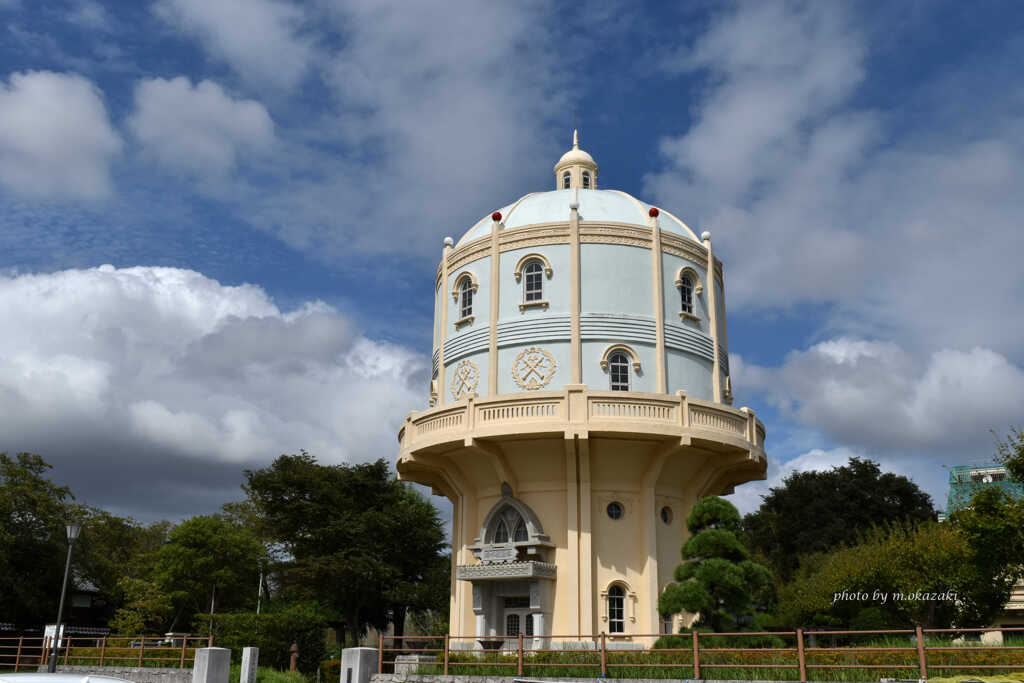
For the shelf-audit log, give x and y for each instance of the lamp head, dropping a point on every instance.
(73, 531)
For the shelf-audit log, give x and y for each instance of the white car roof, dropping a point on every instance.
(59, 678)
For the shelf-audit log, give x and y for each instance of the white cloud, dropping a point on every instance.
(56, 140)
(812, 198)
(441, 113)
(876, 395)
(198, 130)
(131, 370)
(260, 39)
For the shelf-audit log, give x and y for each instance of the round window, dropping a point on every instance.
(666, 514)
(615, 510)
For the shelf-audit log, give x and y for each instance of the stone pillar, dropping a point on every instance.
(250, 660)
(212, 665)
(358, 664)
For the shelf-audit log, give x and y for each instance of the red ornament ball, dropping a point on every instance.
(653, 213)
(496, 216)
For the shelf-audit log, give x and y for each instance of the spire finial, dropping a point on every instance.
(575, 138)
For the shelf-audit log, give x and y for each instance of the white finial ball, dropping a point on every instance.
(705, 236)
(449, 242)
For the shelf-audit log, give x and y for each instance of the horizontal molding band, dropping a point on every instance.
(593, 327)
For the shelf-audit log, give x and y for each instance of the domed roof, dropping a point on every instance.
(576, 156)
(594, 206)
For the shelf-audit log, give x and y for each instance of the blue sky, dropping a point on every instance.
(220, 219)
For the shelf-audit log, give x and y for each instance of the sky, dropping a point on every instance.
(220, 219)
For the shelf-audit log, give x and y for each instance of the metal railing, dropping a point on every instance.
(606, 652)
(22, 653)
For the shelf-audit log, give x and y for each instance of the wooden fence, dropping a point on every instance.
(698, 654)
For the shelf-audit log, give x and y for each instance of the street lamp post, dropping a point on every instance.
(73, 530)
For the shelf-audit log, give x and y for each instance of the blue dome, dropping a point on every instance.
(596, 206)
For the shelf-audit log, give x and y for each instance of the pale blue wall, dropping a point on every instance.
(616, 279)
(557, 289)
(690, 373)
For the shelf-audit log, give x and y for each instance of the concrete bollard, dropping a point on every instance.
(213, 665)
(250, 660)
(358, 664)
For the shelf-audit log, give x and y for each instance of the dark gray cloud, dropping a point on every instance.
(151, 389)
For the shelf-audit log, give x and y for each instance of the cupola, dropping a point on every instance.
(576, 168)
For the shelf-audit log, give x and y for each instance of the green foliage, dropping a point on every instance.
(352, 526)
(1011, 453)
(929, 558)
(32, 539)
(272, 632)
(267, 675)
(209, 560)
(147, 609)
(718, 580)
(815, 512)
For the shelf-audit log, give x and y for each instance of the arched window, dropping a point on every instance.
(586, 180)
(686, 293)
(511, 624)
(501, 532)
(466, 297)
(616, 609)
(520, 534)
(566, 180)
(618, 371)
(533, 282)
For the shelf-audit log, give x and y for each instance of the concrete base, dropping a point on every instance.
(358, 664)
(129, 673)
(213, 665)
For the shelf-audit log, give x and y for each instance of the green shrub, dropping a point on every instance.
(273, 633)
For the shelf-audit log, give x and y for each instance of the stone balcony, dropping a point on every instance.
(579, 412)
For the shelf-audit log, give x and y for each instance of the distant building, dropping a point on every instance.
(964, 482)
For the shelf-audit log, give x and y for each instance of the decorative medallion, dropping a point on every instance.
(533, 368)
(465, 379)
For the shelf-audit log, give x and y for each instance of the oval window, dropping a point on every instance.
(615, 510)
(666, 514)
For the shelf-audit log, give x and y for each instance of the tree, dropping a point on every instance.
(717, 580)
(1011, 454)
(351, 526)
(814, 512)
(208, 564)
(927, 573)
(113, 552)
(32, 539)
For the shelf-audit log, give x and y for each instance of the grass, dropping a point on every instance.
(267, 675)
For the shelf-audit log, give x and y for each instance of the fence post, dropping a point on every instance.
(293, 660)
(209, 641)
(103, 649)
(184, 644)
(519, 653)
(922, 662)
(67, 649)
(800, 654)
(696, 654)
(380, 653)
(142, 648)
(604, 659)
(447, 645)
(17, 657)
